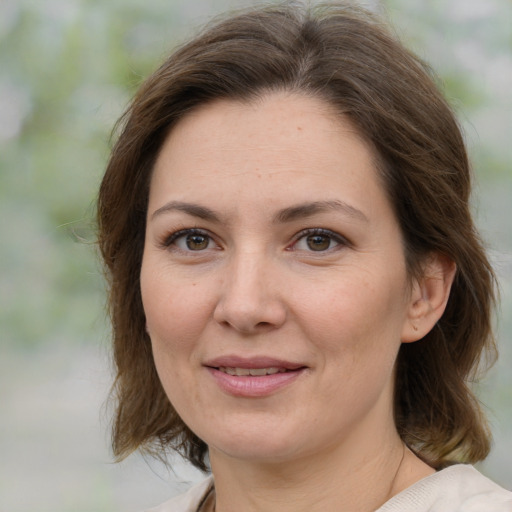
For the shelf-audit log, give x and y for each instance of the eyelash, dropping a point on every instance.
(173, 237)
(331, 235)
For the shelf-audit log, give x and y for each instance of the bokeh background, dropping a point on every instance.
(67, 70)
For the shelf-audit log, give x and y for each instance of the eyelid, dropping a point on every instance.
(340, 239)
(169, 240)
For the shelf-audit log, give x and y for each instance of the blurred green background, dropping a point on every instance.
(67, 70)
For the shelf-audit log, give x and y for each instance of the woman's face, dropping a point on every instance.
(273, 279)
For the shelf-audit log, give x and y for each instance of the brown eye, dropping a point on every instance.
(197, 242)
(318, 242)
(190, 240)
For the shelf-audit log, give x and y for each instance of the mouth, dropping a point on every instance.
(256, 372)
(256, 365)
(253, 377)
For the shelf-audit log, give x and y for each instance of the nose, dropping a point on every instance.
(250, 299)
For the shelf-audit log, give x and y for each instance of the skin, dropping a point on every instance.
(250, 283)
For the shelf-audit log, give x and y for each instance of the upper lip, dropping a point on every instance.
(233, 361)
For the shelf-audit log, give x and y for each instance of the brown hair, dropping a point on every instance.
(348, 57)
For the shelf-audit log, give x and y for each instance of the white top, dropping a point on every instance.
(458, 488)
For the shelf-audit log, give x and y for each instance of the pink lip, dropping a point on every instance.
(232, 361)
(252, 386)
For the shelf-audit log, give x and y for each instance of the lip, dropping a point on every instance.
(232, 361)
(252, 386)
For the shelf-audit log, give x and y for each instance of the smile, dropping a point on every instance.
(254, 381)
(258, 372)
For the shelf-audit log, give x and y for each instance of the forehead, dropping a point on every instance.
(274, 123)
(279, 145)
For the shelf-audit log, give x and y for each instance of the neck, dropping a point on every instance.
(340, 478)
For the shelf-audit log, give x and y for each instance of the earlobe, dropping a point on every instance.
(429, 296)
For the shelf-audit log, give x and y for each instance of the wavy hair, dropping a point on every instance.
(349, 58)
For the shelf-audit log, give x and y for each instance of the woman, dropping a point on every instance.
(298, 294)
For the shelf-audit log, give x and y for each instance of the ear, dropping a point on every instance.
(429, 297)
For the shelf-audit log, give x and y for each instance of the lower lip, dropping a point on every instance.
(253, 386)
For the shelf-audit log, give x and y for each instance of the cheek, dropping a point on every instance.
(174, 311)
(174, 321)
(356, 319)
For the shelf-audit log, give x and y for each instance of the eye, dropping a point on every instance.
(190, 240)
(318, 240)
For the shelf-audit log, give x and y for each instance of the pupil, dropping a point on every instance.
(197, 242)
(318, 242)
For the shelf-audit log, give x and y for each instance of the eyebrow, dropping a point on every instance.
(192, 209)
(309, 209)
(285, 215)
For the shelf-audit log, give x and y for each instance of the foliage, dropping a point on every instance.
(67, 71)
(68, 68)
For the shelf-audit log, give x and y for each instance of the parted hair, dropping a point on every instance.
(352, 60)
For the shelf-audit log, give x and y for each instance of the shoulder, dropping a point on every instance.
(187, 502)
(459, 488)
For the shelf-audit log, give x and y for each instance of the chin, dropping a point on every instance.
(259, 444)
(256, 452)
